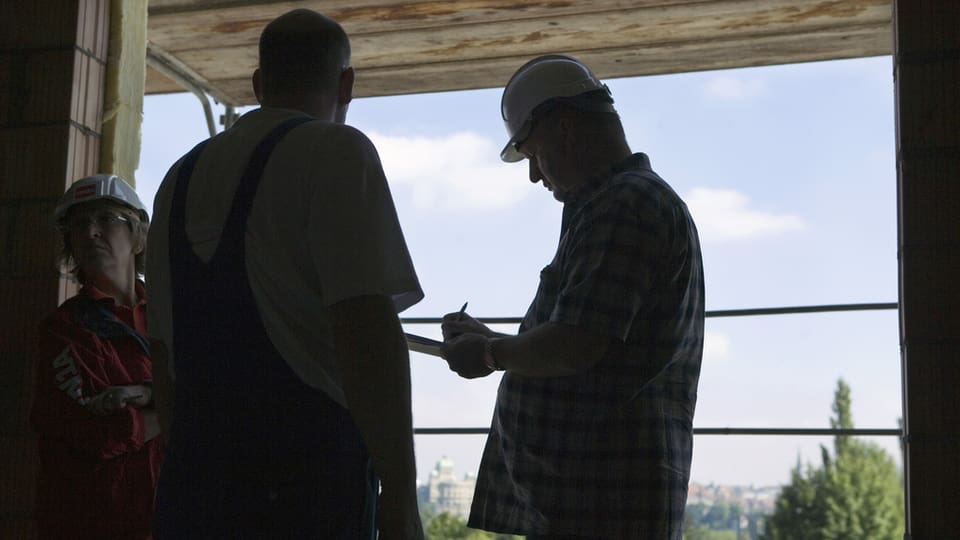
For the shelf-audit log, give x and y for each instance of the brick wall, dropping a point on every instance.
(52, 66)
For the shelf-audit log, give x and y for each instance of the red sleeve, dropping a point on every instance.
(69, 372)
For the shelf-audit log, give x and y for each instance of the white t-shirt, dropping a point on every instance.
(322, 229)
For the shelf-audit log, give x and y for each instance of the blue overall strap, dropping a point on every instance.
(258, 162)
(177, 234)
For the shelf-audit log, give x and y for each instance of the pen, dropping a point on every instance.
(463, 310)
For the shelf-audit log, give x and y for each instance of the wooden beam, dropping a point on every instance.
(369, 16)
(669, 38)
(208, 34)
(626, 62)
(157, 83)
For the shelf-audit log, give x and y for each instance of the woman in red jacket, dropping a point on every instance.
(99, 450)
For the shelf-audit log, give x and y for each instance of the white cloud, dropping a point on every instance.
(460, 171)
(734, 88)
(716, 348)
(726, 215)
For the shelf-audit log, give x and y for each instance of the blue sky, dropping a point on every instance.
(789, 172)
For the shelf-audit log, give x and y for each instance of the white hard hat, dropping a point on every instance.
(98, 186)
(544, 78)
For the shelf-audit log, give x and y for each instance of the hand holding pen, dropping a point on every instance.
(461, 322)
(464, 342)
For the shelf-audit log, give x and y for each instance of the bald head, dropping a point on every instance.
(301, 53)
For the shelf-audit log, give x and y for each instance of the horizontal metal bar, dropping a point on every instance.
(451, 431)
(865, 432)
(438, 320)
(789, 310)
(801, 309)
(855, 432)
(706, 431)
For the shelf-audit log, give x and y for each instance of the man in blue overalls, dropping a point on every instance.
(278, 272)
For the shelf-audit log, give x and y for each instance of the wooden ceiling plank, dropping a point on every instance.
(157, 83)
(867, 40)
(186, 6)
(641, 61)
(394, 6)
(392, 9)
(228, 27)
(412, 49)
(460, 44)
(242, 26)
(741, 19)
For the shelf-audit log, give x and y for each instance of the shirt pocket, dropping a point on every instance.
(547, 292)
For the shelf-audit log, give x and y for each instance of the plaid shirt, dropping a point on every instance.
(606, 453)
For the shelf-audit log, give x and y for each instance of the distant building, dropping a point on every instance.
(447, 494)
(751, 499)
(443, 492)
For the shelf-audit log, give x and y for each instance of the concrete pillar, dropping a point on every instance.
(927, 72)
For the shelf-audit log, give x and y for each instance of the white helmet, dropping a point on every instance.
(539, 80)
(99, 186)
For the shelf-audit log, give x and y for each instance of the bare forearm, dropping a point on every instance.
(550, 350)
(375, 370)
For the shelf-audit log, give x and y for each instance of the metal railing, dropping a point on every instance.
(792, 310)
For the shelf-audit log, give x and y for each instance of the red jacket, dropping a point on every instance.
(97, 476)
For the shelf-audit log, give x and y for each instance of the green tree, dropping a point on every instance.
(694, 532)
(718, 516)
(798, 512)
(702, 532)
(446, 526)
(854, 495)
(721, 521)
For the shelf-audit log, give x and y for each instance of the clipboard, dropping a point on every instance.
(423, 345)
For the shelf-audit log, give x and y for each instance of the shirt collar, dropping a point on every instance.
(633, 161)
(96, 294)
(592, 184)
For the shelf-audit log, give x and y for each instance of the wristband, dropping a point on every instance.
(488, 359)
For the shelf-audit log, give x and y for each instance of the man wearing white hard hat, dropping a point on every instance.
(93, 408)
(592, 430)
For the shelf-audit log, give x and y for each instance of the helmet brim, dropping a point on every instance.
(509, 154)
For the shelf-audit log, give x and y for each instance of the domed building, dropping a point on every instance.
(446, 493)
